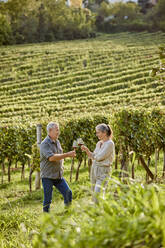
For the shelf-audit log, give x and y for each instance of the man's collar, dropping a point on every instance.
(52, 141)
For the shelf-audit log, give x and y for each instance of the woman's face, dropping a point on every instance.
(100, 135)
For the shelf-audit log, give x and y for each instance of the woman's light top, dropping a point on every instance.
(104, 153)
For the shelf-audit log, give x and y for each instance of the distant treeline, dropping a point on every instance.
(130, 16)
(30, 21)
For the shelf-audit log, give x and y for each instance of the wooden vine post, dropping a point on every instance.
(89, 166)
(156, 163)
(39, 140)
(163, 175)
(150, 174)
(71, 169)
(148, 164)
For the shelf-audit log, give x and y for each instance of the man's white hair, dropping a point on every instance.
(51, 125)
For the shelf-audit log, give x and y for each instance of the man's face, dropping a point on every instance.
(54, 133)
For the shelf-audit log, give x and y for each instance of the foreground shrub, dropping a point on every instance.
(130, 216)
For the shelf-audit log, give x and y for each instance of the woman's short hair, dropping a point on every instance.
(104, 128)
(51, 125)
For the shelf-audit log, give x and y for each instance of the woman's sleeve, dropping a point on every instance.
(105, 152)
(92, 155)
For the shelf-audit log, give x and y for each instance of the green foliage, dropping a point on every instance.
(43, 21)
(145, 5)
(155, 16)
(64, 79)
(134, 130)
(35, 157)
(160, 70)
(5, 31)
(17, 222)
(93, 80)
(130, 212)
(132, 217)
(158, 123)
(160, 9)
(69, 23)
(16, 8)
(121, 16)
(26, 138)
(2, 144)
(8, 147)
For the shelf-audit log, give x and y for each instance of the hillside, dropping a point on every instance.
(67, 78)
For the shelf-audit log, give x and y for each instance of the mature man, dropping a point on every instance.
(51, 166)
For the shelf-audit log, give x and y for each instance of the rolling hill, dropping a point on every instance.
(69, 78)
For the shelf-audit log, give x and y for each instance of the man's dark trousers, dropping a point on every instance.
(63, 188)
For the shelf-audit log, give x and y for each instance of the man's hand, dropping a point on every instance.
(71, 154)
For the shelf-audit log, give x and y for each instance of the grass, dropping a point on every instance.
(21, 211)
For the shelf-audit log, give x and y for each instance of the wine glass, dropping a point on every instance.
(80, 141)
(75, 144)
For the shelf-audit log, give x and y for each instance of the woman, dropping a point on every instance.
(102, 157)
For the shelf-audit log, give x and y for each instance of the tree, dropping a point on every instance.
(42, 28)
(145, 5)
(5, 31)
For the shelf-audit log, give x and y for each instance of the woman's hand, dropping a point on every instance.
(88, 152)
(84, 148)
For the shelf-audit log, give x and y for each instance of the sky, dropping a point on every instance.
(109, 0)
(113, 1)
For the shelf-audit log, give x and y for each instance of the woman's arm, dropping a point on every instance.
(88, 152)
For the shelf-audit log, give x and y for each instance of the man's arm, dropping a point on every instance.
(48, 154)
(57, 157)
